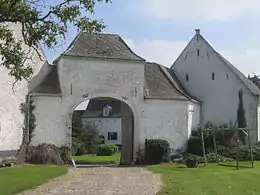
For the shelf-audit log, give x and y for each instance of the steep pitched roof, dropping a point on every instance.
(101, 45)
(161, 83)
(255, 90)
(50, 83)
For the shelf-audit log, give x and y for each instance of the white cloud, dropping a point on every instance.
(208, 10)
(165, 52)
(161, 51)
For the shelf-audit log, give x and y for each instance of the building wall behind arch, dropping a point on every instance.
(11, 119)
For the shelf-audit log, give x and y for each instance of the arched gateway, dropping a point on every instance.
(102, 65)
(85, 72)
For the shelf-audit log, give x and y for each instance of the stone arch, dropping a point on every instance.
(127, 128)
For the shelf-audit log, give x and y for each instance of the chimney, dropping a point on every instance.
(197, 31)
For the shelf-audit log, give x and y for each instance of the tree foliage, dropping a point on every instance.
(241, 120)
(43, 21)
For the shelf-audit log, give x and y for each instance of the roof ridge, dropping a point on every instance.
(100, 45)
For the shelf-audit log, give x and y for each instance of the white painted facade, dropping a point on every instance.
(85, 78)
(122, 80)
(105, 126)
(11, 119)
(195, 68)
(169, 119)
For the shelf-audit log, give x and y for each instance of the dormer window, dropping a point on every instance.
(107, 110)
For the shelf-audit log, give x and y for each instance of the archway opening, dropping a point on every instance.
(103, 120)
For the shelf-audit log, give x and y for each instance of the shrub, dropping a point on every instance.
(48, 154)
(213, 157)
(157, 150)
(87, 134)
(195, 146)
(106, 150)
(65, 155)
(76, 145)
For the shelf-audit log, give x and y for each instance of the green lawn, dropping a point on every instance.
(211, 180)
(18, 179)
(93, 159)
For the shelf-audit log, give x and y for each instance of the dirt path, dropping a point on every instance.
(101, 181)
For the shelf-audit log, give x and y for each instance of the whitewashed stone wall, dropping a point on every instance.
(83, 79)
(168, 119)
(219, 96)
(11, 119)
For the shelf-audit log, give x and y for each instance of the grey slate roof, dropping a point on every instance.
(50, 84)
(100, 45)
(161, 83)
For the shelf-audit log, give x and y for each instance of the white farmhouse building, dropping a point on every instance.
(11, 119)
(105, 116)
(156, 102)
(216, 82)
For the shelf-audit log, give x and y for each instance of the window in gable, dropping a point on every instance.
(198, 52)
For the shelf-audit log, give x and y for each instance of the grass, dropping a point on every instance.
(93, 159)
(17, 179)
(211, 180)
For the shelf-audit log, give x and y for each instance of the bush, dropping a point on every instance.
(213, 157)
(106, 150)
(195, 145)
(157, 151)
(48, 154)
(77, 144)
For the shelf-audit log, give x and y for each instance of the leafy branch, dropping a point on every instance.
(40, 22)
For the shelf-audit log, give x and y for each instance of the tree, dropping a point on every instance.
(41, 22)
(241, 120)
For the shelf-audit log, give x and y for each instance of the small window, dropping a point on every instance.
(187, 77)
(227, 76)
(198, 52)
(213, 76)
(112, 136)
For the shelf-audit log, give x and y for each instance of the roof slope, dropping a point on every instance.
(249, 84)
(161, 83)
(50, 83)
(100, 45)
(255, 90)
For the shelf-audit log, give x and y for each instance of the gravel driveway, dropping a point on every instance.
(101, 181)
